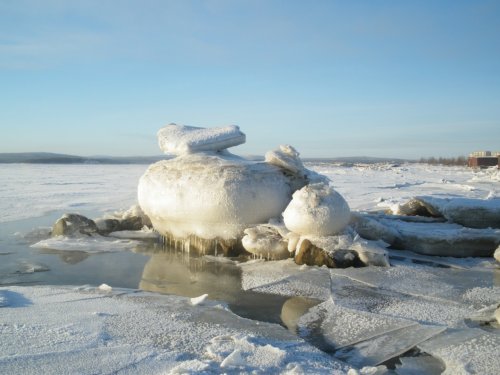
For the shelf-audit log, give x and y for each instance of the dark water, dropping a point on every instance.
(151, 266)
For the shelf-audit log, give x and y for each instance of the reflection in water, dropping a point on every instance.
(294, 308)
(174, 272)
(69, 257)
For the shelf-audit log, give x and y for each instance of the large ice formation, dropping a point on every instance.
(209, 193)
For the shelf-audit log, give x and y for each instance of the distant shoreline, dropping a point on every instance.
(52, 158)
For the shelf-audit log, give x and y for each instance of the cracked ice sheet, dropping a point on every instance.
(379, 349)
(288, 279)
(64, 330)
(341, 326)
(403, 306)
(468, 351)
(471, 288)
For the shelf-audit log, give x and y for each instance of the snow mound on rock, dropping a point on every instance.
(317, 209)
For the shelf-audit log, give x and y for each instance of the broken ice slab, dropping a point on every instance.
(400, 305)
(258, 273)
(286, 278)
(473, 213)
(339, 326)
(452, 286)
(424, 259)
(379, 349)
(471, 351)
(440, 239)
(420, 365)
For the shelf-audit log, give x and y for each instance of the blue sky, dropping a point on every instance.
(332, 78)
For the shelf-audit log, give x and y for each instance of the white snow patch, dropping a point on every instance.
(199, 300)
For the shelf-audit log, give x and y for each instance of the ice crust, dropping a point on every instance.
(182, 139)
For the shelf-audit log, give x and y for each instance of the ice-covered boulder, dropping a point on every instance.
(472, 213)
(211, 195)
(74, 225)
(496, 255)
(182, 139)
(318, 210)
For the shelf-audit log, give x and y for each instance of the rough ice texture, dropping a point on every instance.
(317, 210)
(181, 139)
(58, 330)
(467, 351)
(211, 195)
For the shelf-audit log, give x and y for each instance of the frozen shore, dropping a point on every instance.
(50, 328)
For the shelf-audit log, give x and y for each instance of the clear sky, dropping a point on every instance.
(332, 78)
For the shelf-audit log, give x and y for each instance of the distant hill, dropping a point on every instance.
(51, 158)
(357, 160)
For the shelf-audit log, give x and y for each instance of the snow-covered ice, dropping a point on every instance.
(89, 331)
(54, 329)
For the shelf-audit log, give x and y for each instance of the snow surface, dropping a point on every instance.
(31, 190)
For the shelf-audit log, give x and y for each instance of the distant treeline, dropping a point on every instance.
(459, 160)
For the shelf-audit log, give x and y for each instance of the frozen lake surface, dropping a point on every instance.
(259, 316)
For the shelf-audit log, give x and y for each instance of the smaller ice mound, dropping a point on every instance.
(266, 242)
(181, 139)
(317, 210)
(472, 213)
(496, 255)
